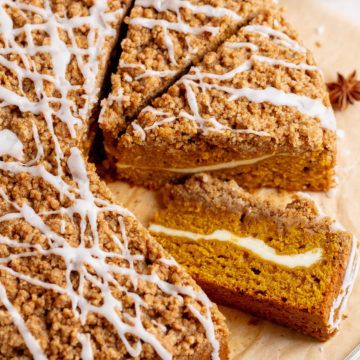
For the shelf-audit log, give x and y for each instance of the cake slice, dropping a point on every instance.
(256, 110)
(273, 255)
(163, 39)
(79, 276)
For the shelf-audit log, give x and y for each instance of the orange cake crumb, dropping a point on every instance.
(256, 110)
(274, 256)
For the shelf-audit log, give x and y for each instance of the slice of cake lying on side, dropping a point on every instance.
(275, 257)
(79, 276)
(163, 39)
(256, 111)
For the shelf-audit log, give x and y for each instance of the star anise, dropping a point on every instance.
(344, 91)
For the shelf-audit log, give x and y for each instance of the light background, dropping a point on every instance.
(348, 8)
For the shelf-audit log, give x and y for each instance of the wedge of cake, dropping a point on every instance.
(163, 39)
(79, 276)
(256, 110)
(274, 256)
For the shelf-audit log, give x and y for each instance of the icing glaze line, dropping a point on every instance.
(196, 79)
(83, 208)
(339, 305)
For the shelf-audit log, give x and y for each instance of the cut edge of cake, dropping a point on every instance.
(200, 224)
(79, 275)
(256, 110)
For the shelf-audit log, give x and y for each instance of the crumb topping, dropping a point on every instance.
(163, 38)
(79, 276)
(260, 86)
(219, 221)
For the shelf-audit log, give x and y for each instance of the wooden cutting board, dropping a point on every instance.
(335, 42)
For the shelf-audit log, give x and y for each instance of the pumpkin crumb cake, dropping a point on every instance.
(273, 255)
(79, 276)
(163, 39)
(256, 110)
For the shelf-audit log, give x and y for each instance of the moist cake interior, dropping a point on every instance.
(277, 258)
(255, 110)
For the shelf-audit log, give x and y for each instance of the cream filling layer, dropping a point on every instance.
(214, 167)
(256, 246)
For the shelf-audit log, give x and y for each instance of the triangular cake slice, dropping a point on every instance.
(79, 276)
(273, 255)
(256, 110)
(163, 39)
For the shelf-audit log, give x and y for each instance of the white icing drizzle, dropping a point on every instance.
(214, 167)
(180, 25)
(256, 246)
(166, 26)
(85, 209)
(169, 262)
(147, 72)
(10, 145)
(118, 96)
(160, 326)
(176, 5)
(109, 101)
(158, 73)
(202, 81)
(283, 63)
(137, 128)
(339, 304)
(239, 45)
(305, 105)
(128, 78)
(276, 36)
(19, 322)
(86, 352)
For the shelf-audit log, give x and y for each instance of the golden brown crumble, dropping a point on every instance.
(32, 184)
(148, 49)
(287, 127)
(197, 123)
